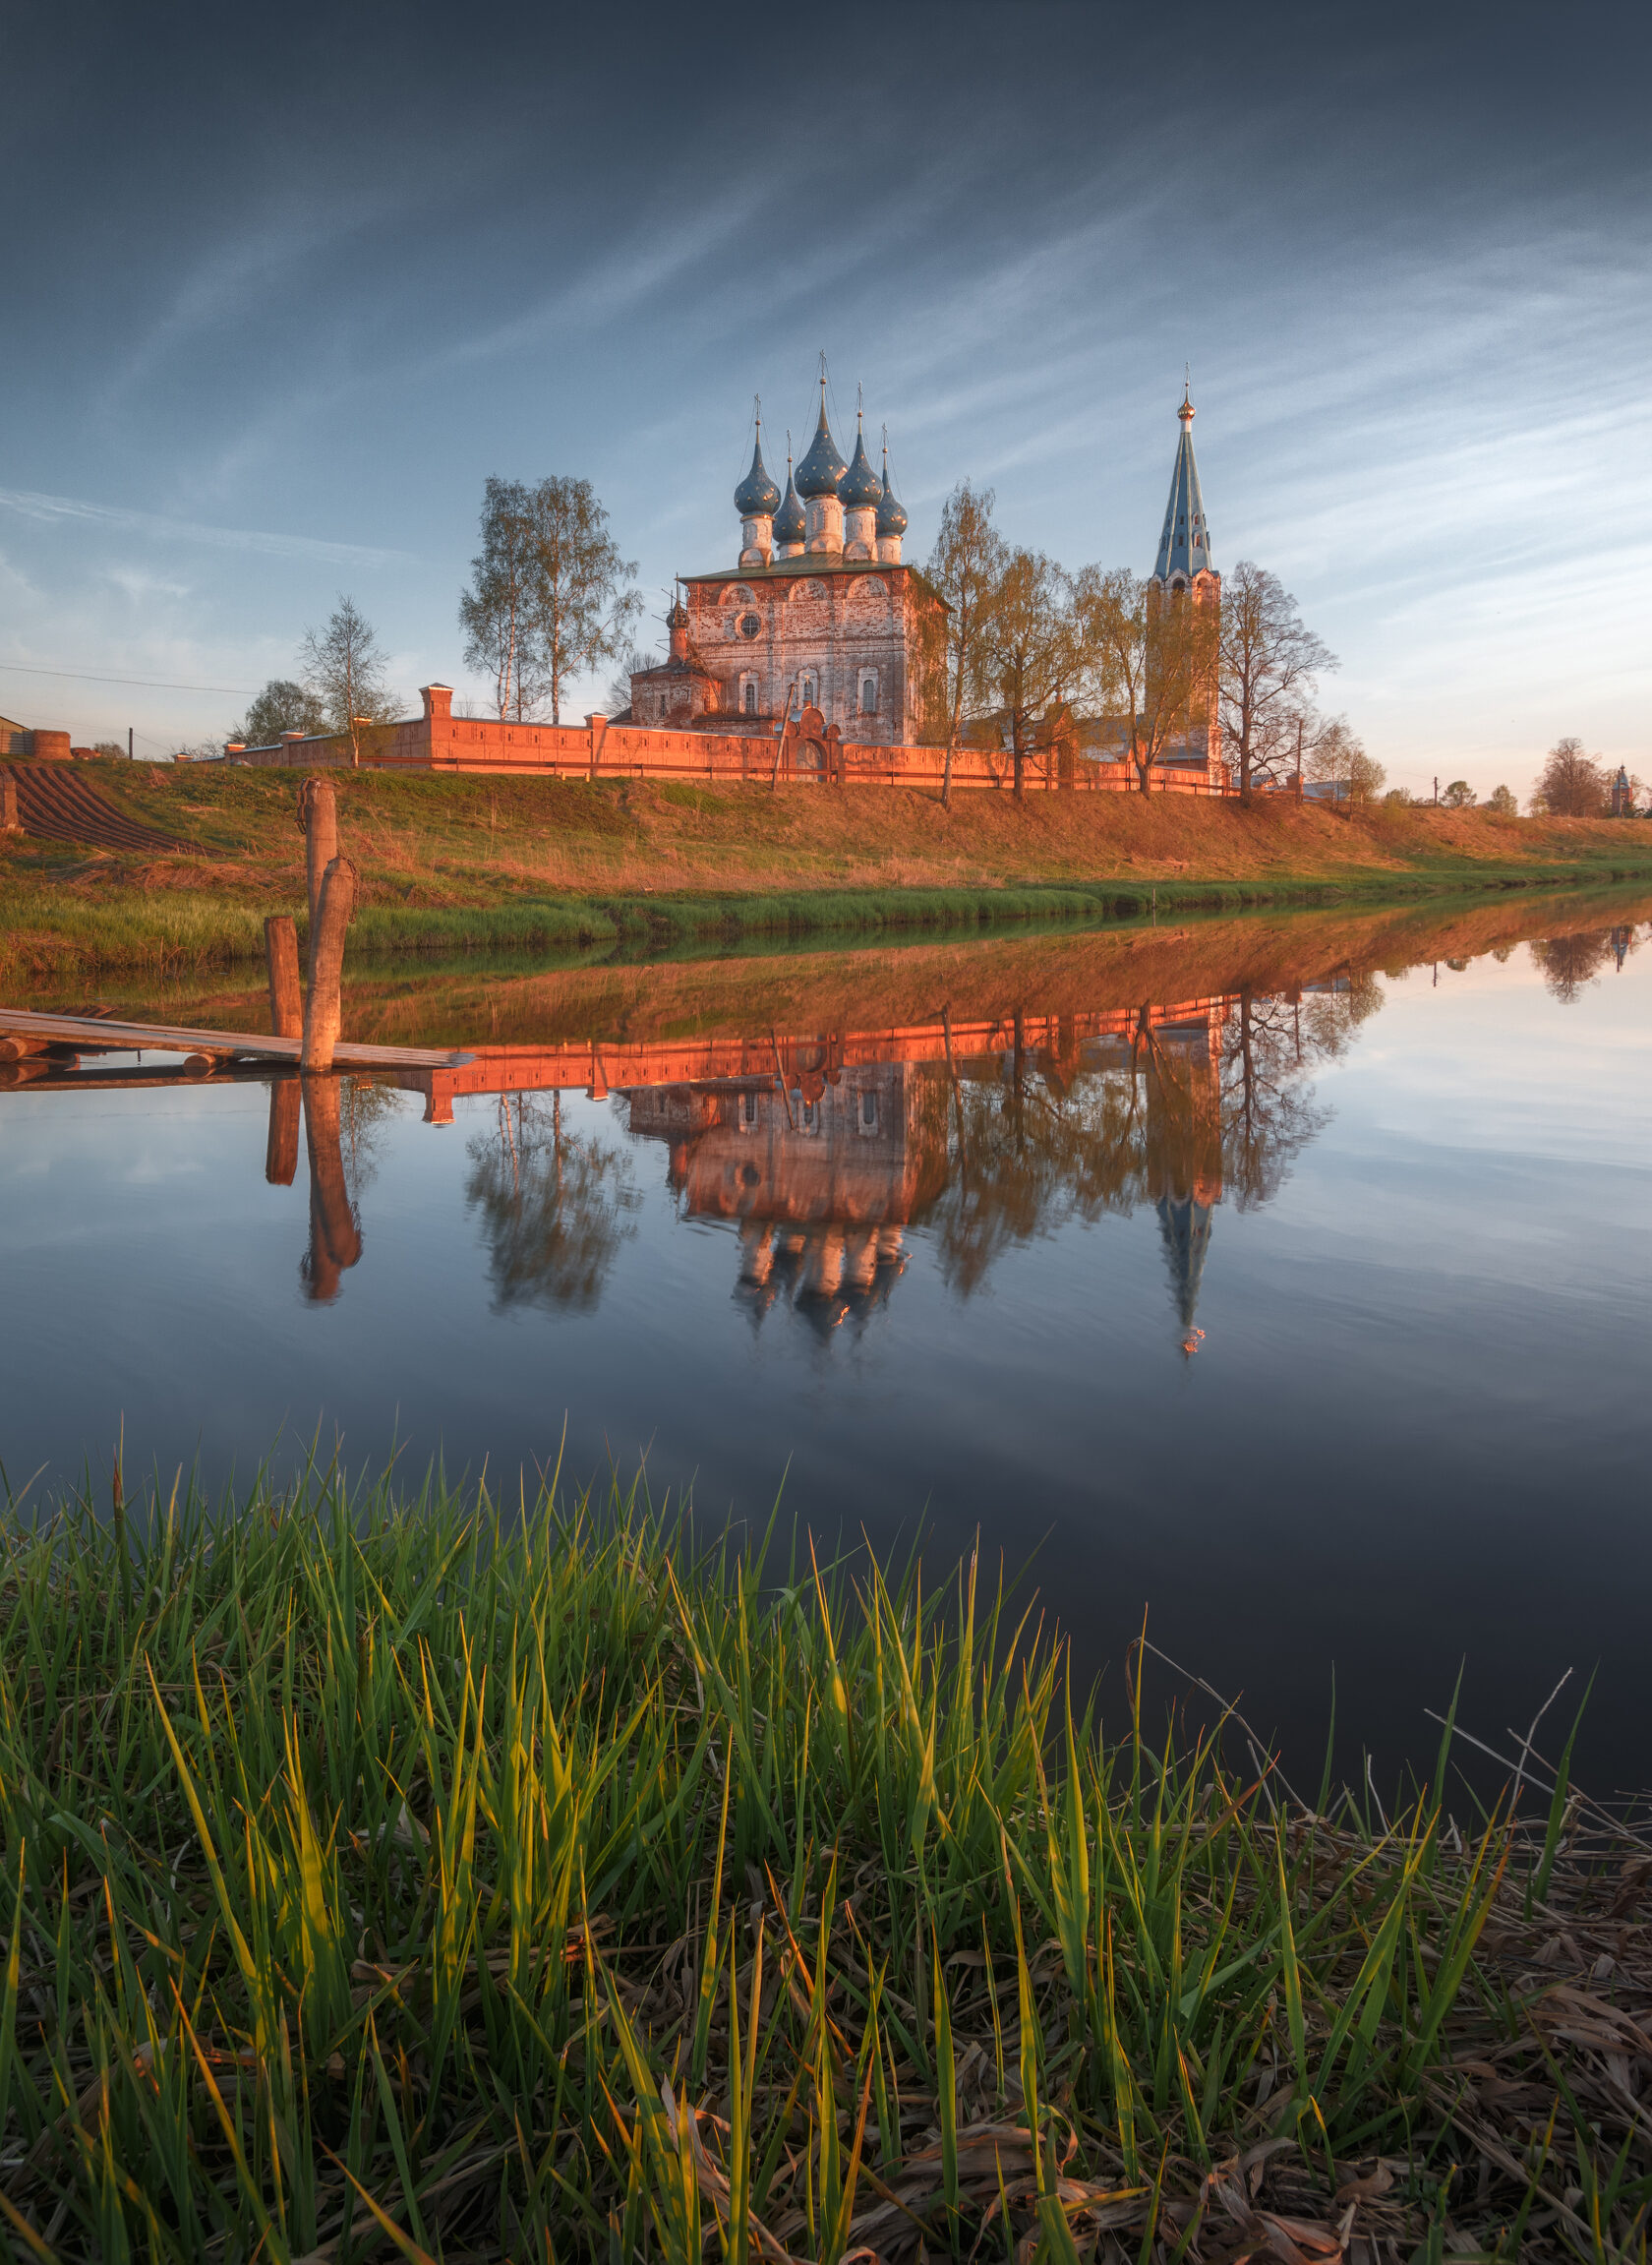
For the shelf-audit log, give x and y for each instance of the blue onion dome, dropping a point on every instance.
(890, 519)
(756, 495)
(860, 484)
(822, 468)
(790, 524)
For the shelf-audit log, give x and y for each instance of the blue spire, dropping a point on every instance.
(1184, 548)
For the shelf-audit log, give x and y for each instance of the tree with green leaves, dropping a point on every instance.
(344, 671)
(1144, 659)
(965, 570)
(1029, 657)
(1504, 801)
(580, 613)
(1328, 752)
(1458, 796)
(496, 613)
(281, 706)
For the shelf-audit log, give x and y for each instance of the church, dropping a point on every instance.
(818, 612)
(821, 611)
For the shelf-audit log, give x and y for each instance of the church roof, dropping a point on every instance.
(890, 519)
(756, 495)
(822, 468)
(860, 484)
(790, 522)
(1184, 548)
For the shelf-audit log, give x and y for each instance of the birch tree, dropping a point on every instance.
(580, 612)
(344, 669)
(965, 570)
(496, 613)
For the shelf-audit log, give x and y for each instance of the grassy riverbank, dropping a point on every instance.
(539, 865)
(391, 1879)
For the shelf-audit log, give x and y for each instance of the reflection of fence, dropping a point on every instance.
(805, 1064)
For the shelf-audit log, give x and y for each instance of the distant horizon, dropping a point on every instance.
(268, 337)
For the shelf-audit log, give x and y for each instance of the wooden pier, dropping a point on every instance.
(26, 1036)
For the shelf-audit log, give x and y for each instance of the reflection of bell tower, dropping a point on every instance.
(1184, 1164)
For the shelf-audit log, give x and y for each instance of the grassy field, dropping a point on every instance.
(819, 982)
(405, 1878)
(471, 865)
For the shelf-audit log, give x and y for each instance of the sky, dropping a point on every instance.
(281, 290)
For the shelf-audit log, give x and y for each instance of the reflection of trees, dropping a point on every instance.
(1268, 1114)
(554, 1204)
(1182, 1115)
(1028, 1151)
(1570, 964)
(368, 1107)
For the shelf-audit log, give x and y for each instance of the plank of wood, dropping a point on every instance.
(89, 1031)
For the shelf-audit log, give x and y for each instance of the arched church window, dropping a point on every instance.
(748, 695)
(808, 691)
(868, 692)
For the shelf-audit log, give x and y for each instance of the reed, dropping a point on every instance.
(416, 1874)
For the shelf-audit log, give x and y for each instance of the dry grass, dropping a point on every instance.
(429, 846)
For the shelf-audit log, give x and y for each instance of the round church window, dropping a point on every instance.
(749, 624)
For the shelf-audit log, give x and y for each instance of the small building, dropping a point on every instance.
(819, 611)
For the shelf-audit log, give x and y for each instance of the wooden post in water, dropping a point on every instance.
(281, 1156)
(322, 1009)
(280, 952)
(334, 1237)
(318, 811)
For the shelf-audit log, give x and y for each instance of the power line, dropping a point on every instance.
(152, 684)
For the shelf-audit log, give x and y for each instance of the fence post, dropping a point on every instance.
(9, 823)
(318, 815)
(280, 1155)
(322, 1009)
(280, 953)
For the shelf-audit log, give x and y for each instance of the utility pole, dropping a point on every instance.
(1436, 790)
(129, 743)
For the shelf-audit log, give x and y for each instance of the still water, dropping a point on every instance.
(1291, 1281)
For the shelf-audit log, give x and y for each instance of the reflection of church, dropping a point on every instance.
(822, 1174)
(824, 1166)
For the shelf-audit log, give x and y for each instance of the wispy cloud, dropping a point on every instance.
(65, 511)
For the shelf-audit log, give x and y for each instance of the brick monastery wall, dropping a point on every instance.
(441, 742)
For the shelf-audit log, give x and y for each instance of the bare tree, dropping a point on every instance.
(1571, 784)
(1143, 658)
(1269, 664)
(630, 663)
(578, 612)
(344, 669)
(965, 570)
(496, 613)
